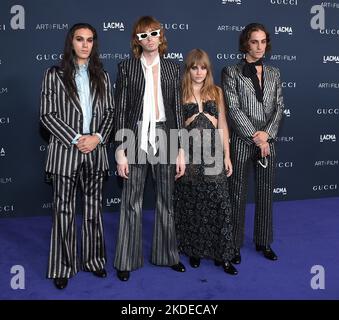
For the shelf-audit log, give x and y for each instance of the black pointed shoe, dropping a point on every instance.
(60, 283)
(179, 267)
(123, 275)
(100, 273)
(237, 256)
(267, 251)
(194, 262)
(229, 268)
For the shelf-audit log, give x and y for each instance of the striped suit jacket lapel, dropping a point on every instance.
(95, 98)
(268, 82)
(247, 80)
(75, 100)
(139, 90)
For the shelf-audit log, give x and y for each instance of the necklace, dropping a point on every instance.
(196, 100)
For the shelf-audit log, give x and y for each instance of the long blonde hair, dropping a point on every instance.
(209, 90)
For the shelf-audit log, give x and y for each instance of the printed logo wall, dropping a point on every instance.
(304, 37)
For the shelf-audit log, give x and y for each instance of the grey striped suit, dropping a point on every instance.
(130, 87)
(62, 116)
(247, 115)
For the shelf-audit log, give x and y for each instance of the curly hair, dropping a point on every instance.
(246, 35)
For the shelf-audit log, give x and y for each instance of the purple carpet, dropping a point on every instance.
(306, 235)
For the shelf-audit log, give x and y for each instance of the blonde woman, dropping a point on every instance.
(202, 204)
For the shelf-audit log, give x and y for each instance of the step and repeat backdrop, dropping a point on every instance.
(305, 37)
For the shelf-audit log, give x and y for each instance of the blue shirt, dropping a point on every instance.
(83, 87)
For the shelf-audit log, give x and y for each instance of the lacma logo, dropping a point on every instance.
(283, 30)
(287, 112)
(174, 55)
(111, 202)
(330, 59)
(328, 138)
(282, 191)
(113, 26)
(231, 1)
(5, 180)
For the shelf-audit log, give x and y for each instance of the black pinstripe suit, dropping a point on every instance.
(130, 87)
(247, 115)
(62, 116)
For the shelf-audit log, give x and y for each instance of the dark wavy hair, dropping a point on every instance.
(246, 35)
(144, 23)
(95, 67)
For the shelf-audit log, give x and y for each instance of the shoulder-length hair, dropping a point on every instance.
(142, 25)
(246, 35)
(95, 67)
(209, 90)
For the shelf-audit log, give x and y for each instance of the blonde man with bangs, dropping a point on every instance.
(201, 201)
(147, 102)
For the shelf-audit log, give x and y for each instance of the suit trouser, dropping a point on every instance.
(244, 155)
(129, 253)
(63, 261)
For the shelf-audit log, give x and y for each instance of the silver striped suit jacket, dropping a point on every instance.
(129, 94)
(247, 115)
(62, 116)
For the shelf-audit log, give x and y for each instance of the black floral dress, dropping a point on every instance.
(201, 201)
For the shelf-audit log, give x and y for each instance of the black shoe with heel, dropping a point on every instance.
(60, 283)
(237, 257)
(123, 275)
(229, 268)
(179, 267)
(194, 262)
(100, 273)
(267, 251)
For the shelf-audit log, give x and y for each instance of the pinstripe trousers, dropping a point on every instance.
(242, 156)
(129, 253)
(63, 262)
